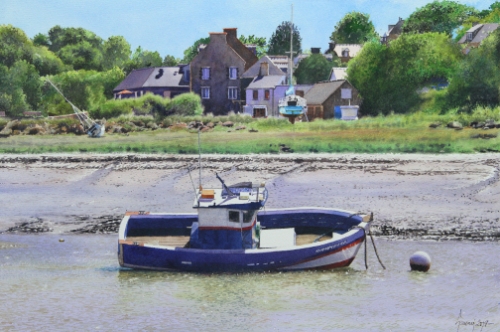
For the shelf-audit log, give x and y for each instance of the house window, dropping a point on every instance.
(205, 92)
(267, 94)
(469, 36)
(232, 93)
(205, 73)
(255, 94)
(234, 216)
(233, 73)
(345, 53)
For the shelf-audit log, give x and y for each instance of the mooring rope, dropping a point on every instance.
(374, 247)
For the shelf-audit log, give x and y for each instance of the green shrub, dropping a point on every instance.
(186, 104)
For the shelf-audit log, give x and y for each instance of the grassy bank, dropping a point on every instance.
(392, 134)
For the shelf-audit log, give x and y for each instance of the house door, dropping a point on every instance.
(259, 112)
(337, 112)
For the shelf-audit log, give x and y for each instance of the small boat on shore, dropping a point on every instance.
(232, 232)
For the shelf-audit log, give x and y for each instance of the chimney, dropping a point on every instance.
(315, 50)
(231, 32)
(331, 47)
(264, 69)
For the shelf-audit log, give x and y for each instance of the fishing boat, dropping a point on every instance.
(291, 106)
(233, 232)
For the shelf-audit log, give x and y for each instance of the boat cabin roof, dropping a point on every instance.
(242, 196)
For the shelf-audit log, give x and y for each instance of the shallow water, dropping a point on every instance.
(78, 285)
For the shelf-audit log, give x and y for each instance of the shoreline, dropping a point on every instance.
(412, 196)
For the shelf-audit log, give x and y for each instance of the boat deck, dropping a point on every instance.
(182, 241)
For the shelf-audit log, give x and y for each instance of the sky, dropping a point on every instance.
(171, 26)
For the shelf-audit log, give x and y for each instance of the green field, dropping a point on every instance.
(391, 134)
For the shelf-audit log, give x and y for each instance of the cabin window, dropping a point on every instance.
(205, 92)
(233, 73)
(247, 216)
(255, 94)
(267, 94)
(205, 73)
(232, 93)
(234, 216)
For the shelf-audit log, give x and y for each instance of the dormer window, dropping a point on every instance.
(469, 36)
(345, 53)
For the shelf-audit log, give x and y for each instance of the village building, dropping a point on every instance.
(475, 35)
(324, 99)
(167, 82)
(393, 31)
(216, 72)
(338, 73)
(344, 51)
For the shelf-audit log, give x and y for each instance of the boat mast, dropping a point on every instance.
(290, 61)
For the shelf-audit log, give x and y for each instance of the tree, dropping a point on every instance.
(477, 79)
(14, 45)
(170, 61)
(142, 59)
(259, 42)
(86, 89)
(20, 88)
(192, 51)
(388, 77)
(279, 43)
(60, 37)
(116, 52)
(354, 28)
(81, 56)
(438, 16)
(41, 40)
(46, 62)
(313, 69)
(77, 47)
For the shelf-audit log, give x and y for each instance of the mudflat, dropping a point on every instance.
(421, 196)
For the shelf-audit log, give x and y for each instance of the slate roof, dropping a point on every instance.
(353, 49)
(338, 73)
(135, 79)
(152, 77)
(320, 92)
(255, 69)
(481, 32)
(267, 82)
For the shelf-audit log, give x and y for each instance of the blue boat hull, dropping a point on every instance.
(339, 251)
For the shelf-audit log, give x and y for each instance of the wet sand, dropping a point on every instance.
(436, 197)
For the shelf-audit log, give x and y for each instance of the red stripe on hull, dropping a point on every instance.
(333, 266)
(333, 252)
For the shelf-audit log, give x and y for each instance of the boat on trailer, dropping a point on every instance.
(233, 232)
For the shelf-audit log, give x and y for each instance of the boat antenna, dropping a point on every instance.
(229, 192)
(199, 159)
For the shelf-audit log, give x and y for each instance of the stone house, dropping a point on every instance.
(475, 35)
(167, 82)
(325, 98)
(344, 51)
(393, 31)
(216, 72)
(261, 80)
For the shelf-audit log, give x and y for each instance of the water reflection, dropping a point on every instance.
(79, 285)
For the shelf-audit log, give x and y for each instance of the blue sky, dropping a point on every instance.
(169, 26)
